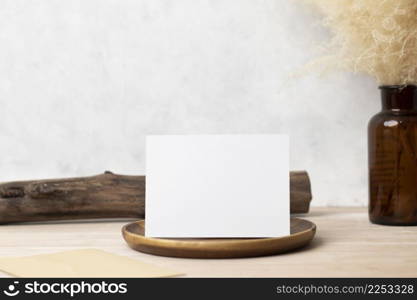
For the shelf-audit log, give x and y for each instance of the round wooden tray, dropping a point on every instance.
(302, 232)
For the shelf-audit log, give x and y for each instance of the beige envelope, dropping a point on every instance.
(81, 263)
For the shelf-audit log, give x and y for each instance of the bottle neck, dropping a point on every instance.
(399, 98)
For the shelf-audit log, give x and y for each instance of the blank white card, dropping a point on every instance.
(217, 186)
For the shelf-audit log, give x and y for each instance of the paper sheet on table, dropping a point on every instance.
(81, 263)
(209, 185)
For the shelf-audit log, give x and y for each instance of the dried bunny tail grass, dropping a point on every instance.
(376, 37)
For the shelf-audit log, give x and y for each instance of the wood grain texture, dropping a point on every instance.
(106, 195)
(302, 232)
(300, 192)
(346, 245)
(103, 196)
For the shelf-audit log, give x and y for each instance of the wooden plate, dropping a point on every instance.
(302, 232)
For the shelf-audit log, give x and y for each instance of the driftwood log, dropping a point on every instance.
(106, 195)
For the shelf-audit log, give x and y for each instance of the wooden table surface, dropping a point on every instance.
(346, 245)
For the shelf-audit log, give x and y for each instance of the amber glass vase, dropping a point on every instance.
(392, 144)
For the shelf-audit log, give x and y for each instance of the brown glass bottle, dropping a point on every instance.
(392, 144)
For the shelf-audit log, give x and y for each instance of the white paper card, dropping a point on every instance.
(217, 186)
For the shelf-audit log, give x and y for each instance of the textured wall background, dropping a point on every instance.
(83, 81)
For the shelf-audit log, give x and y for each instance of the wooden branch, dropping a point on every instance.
(106, 195)
(300, 192)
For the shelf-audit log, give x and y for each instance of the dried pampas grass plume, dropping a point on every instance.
(376, 37)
